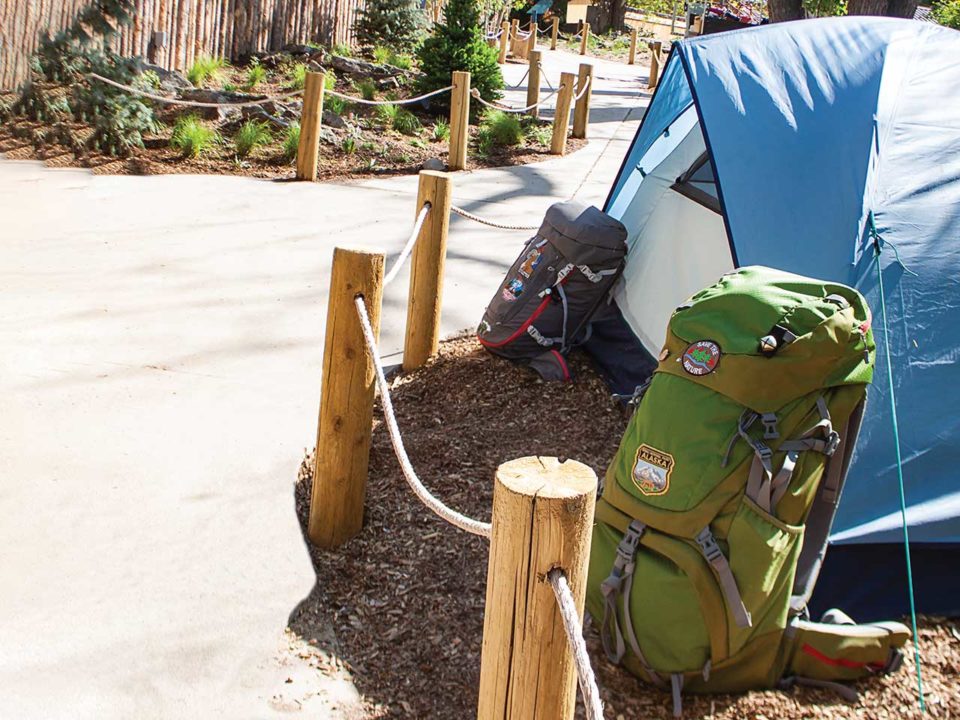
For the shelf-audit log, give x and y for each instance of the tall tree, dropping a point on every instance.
(783, 10)
(890, 8)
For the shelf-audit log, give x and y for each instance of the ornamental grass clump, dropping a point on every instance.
(192, 138)
(252, 134)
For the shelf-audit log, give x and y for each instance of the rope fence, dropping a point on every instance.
(571, 624)
(191, 103)
(583, 90)
(405, 101)
(507, 108)
(475, 527)
(500, 226)
(408, 248)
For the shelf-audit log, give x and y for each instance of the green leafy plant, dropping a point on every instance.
(418, 143)
(342, 49)
(396, 24)
(441, 130)
(291, 142)
(147, 80)
(947, 13)
(504, 128)
(335, 105)
(205, 68)
(405, 122)
(297, 76)
(119, 119)
(329, 81)
(255, 75)
(459, 44)
(192, 138)
(251, 134)
(381, 54)
(387, 114)
(539, 134)
(367, 89)
(349, 145)
(401, 60)
(229, 87)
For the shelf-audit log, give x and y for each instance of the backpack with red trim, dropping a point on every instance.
(544, 305)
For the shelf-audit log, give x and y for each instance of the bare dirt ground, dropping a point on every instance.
(406, 596)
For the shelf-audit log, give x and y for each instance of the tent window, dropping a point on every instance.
(699, 184)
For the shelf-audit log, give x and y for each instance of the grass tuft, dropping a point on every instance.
(192, 138)
(205, 68)
(367, 89)
(441, 130)
(503, 128)
(256, 74)
(251, 134)
(291, 142)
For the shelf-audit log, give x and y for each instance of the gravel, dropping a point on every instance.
(405, 598)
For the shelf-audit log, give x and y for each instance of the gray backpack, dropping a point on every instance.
(544, 305)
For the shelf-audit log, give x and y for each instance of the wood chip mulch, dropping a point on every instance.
(405, 598)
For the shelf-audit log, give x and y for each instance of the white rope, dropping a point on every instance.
(583, 90)
(191, 103)
(571, 623)
(521, 79)
(451, 516)
(506, 108)
(545, 78)
(476, 218)
(407, 101)
(408, 248)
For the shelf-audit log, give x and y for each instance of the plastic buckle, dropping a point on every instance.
(769, 421)
(833, 442)
(708, 543)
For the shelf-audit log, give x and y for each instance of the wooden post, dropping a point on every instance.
(310, 118)
(504, 40)
(542, 519)
(426, 271)
(581, 111)
(459, 120)
(532, 40)
(346, 400)
(584, 38)
(654, 64)
(633, 46)
(554, 31)
(561, 118)
(533, 83)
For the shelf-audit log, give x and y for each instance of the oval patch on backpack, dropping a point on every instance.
(701, 357)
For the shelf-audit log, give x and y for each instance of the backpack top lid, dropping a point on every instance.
(764, 337)
(583, 234)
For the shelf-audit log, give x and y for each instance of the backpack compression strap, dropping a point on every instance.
(618, 584)
(728, 583)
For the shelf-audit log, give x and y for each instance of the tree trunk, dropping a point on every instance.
(902, 8)
(783, 10)
(867, 7)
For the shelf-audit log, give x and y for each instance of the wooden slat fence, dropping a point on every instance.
(230, 28)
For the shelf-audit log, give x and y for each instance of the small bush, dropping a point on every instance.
(291, 142)
(229, 87)
(349, 145)
(381, 55)
(947, 13)
(504, 128)
(405, 122)
(191, 137)
(329, 81)
(335, 105)
(387, 114)
(205, 68)
(251, 134)
(342, 49)
(539, 134)
(441, 130)
(367, 89)
(402, 61)
(297, 76)
(256, 74)
(147, 80)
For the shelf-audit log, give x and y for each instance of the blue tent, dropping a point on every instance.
(774, 146)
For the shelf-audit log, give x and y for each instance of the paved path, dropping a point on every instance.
(161, 343)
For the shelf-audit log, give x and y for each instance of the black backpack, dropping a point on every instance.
(544, 305)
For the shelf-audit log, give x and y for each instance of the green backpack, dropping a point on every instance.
(715, 512)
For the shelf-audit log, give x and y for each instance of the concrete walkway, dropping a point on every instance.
(161, 343)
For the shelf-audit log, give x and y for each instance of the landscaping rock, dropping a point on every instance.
(170, 80)
(434, 164)
(258, 112)
(329, 136)
(224, 113)
(298, 49)
(390, 83)
(362, 68)
(331, 119)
